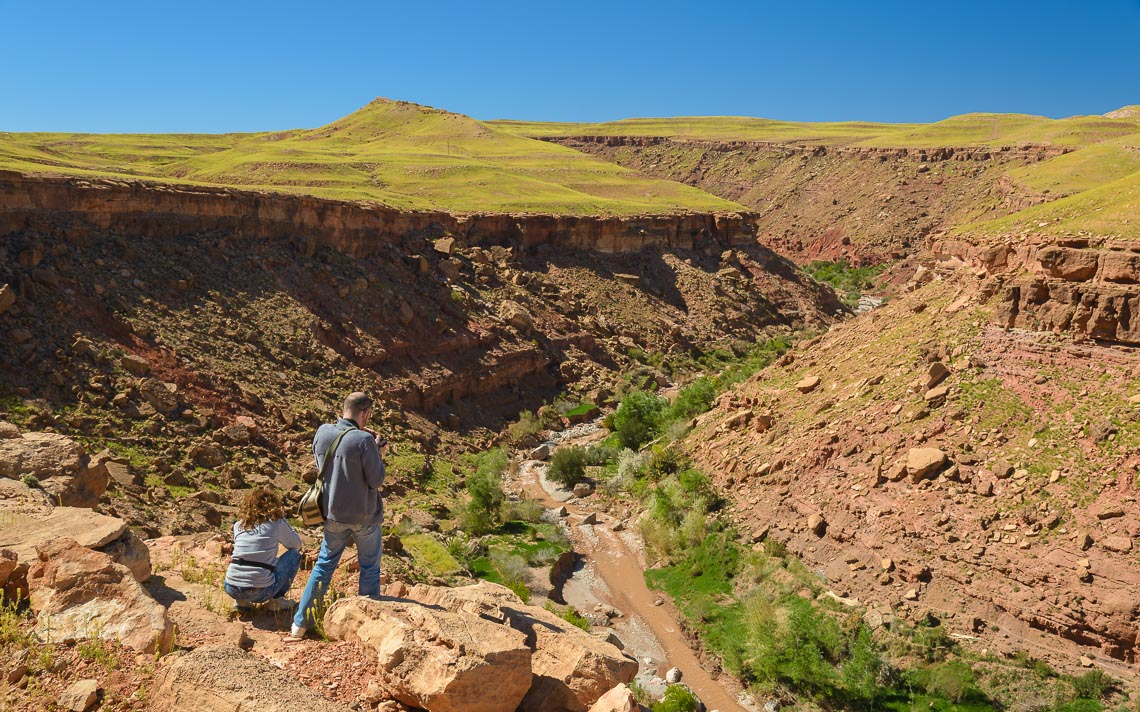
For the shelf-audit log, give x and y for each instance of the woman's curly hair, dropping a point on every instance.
(260, 506)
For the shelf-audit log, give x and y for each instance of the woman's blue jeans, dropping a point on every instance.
(367, 538)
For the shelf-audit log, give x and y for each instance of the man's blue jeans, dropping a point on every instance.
(367, 538)
(283, 575)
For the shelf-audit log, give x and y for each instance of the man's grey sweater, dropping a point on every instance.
(351, 493)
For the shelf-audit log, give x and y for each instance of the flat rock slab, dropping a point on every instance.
(226, 679)
(83, 525)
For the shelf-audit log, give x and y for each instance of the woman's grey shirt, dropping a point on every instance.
(259, 544)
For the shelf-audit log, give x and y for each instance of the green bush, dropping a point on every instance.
(567, 464)
(30, 481)
(526, 427)
(513, 572)
(1093, 685)
(638, 418)
(667, 461)
(677, 698)
(601, 454)
(952, 680)
(694, 399)
(524, 510)
(800, 653)
(485, 487)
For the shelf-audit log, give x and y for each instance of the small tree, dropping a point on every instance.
(485, 488)
(567, 464)
(638, 418)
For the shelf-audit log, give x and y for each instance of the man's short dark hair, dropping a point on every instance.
(357, 403)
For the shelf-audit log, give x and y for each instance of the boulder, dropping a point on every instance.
(808, 384)
(163, 397)
(80, 696)
(79, 593)
(516, 315)
(921, 462)
(135, 365)
(1119, 544)
(227, 679)
(437, 659)
(542, 452)
(583, 489)
(572, 668)
(19, 501)
(937, 393)
(7, 298)
(618, 699)
(936, 374)
(60, 464)
(130, 551)
(816, 524)
(94, 531)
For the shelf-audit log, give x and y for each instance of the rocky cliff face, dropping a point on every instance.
(864, 204)
(78, 207)
(1082, 286)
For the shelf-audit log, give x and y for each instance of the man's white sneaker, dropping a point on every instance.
(296, 633)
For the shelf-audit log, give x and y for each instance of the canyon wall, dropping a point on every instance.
(78, 207)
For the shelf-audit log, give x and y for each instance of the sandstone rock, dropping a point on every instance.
(208, 455)
(8, 431)
(542, 452)
(923, 462)
(985, 488)
(1120, 544)
(87, 528)
(163, 397)
(937, 393)
(911, 595)
(227, 679)
(516, 315)
(572, 668)
(445, 246)
(78, 592)
(936, 374)
(1110, 513)
(583, 489)
(808, 384)
(437, 659)
(80, 697)
(816, 524)
(135, 365)
(1069, 264)
(406, 313)
(673, 676)
(1086, 661)
(130, 551)
(618, 699)
(59, 463)
(1002, 469)
(590, 519)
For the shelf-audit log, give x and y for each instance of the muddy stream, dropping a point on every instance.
(611, 572)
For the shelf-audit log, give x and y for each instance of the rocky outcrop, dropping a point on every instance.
(436, 659)
(565, 667)
(79, 593)
(81, 208)
(1087, 287)
(226, 679)
(58, 464)
(109, 535)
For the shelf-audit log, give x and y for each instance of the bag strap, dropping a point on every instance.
(330, 452)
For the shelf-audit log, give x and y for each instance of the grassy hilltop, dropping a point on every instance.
(400, 154)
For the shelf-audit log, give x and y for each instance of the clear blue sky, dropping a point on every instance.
(208, 66)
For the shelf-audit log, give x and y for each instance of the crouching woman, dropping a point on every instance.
(256, 574)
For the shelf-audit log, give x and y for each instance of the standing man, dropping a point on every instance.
(351, 502)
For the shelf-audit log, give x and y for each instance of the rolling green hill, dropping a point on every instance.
(396, 153)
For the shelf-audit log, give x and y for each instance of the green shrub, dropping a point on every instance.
(638, 418)
(694, 399)
(801, 652)
(30, 481)
(526, 427)
(524, 510)
(1093, 685)
(601, 454)
(485, 487)
(951, 680)
(570, 615)
(667, 461)
(677, 698)
(567, 464)
(513, 572)
(864, 672)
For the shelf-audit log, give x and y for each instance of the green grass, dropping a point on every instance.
(431, 555)
(849, 282)
(400, 154)
(965, 130)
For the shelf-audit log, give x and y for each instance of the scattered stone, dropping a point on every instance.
(923, 462)
(1086, 662)
(935, 394)
(61, 465)
(808, 384)
(1119, 544)
(618, 699)
(673, 676)
(583, 489)
(135, 365)
(1110, 513)
(542, 452)
(816, 524)
(516, 315)
(1085, 541)
(445, 246)
(887, 565)
(984, 488)
(7, 298)
(911, 595)
(590, 519)
(936, 374)
(80, 696)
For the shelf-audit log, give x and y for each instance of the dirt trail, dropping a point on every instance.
(621, 571)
